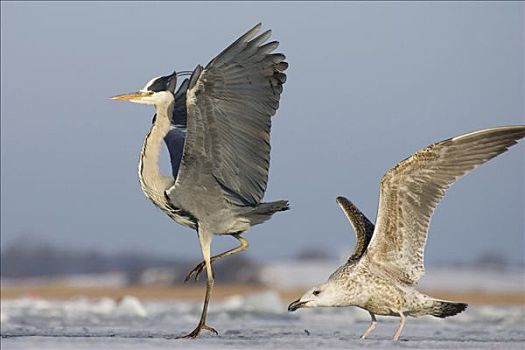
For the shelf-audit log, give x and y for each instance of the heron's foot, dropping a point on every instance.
(195, 333)
(197, 271)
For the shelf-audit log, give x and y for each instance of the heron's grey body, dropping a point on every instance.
(382, 273)
(217, 129)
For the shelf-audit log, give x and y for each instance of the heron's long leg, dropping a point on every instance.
(198, 269)
(205, 242)
(401, 325)
(371, 327)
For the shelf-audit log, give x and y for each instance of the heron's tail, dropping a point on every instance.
(264, 211)
(441, 308)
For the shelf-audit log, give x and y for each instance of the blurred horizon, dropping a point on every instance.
(369, 84)
(36, 268)
(26, 255)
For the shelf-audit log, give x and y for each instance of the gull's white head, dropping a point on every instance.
(157, 91)
(326, 294)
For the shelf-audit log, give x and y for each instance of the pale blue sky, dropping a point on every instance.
(368, 85)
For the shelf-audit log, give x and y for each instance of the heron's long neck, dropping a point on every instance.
(152, 182)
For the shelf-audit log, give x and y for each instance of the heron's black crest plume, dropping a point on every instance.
(166, 83)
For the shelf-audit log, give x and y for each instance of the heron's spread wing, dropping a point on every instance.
(412, 189)
(363, 228)
(230, 104)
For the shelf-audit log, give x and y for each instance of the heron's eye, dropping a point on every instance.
(317, 292)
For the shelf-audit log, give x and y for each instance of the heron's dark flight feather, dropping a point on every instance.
(175, 138)
(180, 113)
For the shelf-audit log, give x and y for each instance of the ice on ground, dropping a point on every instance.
(258, 321)
(130, 306)
(265, 302)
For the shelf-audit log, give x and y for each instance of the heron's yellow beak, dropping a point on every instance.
(132, 96)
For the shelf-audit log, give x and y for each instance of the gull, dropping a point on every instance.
(387, 262)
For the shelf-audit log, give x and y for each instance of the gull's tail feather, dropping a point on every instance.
(444, 309)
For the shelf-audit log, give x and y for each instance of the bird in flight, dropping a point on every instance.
(387, 262)
(216, 126)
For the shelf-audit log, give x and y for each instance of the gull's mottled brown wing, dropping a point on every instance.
(363, 228)
(412, 189)
(230, 103)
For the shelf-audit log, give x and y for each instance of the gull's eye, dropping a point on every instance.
(317, 292)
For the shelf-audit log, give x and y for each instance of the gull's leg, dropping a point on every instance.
(198, 269)
(371, 327)
(401, 325)
(205, 242)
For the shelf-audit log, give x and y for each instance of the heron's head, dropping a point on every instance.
(157, 91)
(326, 294)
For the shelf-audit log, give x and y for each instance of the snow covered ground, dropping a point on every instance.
(259, 321)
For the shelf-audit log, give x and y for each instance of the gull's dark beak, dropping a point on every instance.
(296, 305)
(131, 96)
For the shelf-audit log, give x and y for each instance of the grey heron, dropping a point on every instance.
(217, 130)
(387, 261)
